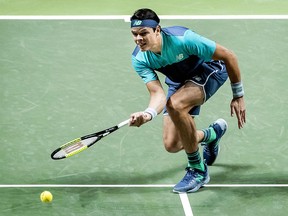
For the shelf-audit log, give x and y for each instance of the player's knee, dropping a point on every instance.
(174, 106)
(171, 146)
(177, 109)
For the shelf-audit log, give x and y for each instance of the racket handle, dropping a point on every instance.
(123, 123)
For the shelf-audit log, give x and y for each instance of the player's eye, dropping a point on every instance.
(143, 34)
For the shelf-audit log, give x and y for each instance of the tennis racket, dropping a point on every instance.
(80, 144)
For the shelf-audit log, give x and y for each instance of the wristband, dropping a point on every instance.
(237, 89)
(151, 111)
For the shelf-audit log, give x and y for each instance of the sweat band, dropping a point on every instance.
(151, 111)
(237, 89)
(144, 23)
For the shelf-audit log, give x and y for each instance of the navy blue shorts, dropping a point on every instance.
(211, 76)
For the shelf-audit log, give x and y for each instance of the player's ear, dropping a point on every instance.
(158, 29)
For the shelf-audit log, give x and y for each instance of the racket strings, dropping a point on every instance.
(73, 147)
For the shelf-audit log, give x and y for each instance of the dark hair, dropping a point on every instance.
(145, 13)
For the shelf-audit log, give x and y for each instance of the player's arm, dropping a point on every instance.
(237, 104)
(231, 62)
(156, 104)
(157, 96)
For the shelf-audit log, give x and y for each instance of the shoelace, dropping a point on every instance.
(190, 173)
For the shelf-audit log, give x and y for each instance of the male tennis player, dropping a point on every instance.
(195, 68)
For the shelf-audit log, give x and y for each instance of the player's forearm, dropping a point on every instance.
(157, 97)
(234, 76)
(233, 68)
(157, 101)
(156, 105)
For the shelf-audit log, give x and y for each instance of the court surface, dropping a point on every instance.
(61, 79)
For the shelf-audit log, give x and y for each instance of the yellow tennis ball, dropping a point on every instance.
(46, 197)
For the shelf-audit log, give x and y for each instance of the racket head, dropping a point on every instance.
(80, 144)
(74, 147)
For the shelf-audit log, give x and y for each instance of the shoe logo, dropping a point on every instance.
(179, 57)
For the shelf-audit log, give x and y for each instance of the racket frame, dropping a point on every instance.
(98, 135)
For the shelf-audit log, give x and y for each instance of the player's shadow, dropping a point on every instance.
(239, 174)
(219, 173)
(114, 177)
(246, 174)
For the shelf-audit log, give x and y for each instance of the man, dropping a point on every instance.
(195, 68)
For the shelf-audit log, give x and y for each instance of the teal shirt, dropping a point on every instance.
(182, 52)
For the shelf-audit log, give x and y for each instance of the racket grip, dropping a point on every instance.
(123, 123)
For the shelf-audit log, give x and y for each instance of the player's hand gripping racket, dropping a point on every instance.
(80, 144)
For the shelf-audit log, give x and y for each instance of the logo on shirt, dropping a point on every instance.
(179, 57)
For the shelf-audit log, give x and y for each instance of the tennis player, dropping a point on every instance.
(195, 68)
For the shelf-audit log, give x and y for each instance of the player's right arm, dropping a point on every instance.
(157, 102)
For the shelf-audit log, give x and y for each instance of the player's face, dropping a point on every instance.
(146, 38)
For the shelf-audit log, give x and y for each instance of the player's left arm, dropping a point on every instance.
(237, 104)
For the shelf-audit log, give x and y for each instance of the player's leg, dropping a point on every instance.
(212, 77)
(178, 107)
(171, 139)
(213, 81)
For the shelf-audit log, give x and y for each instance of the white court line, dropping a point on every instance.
(223, 17)
(186, 204)
(183, 197)
(81, 186)
(246, 185)
(135, 185)
(126, 18)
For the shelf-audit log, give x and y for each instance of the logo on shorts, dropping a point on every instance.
(197, 78)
